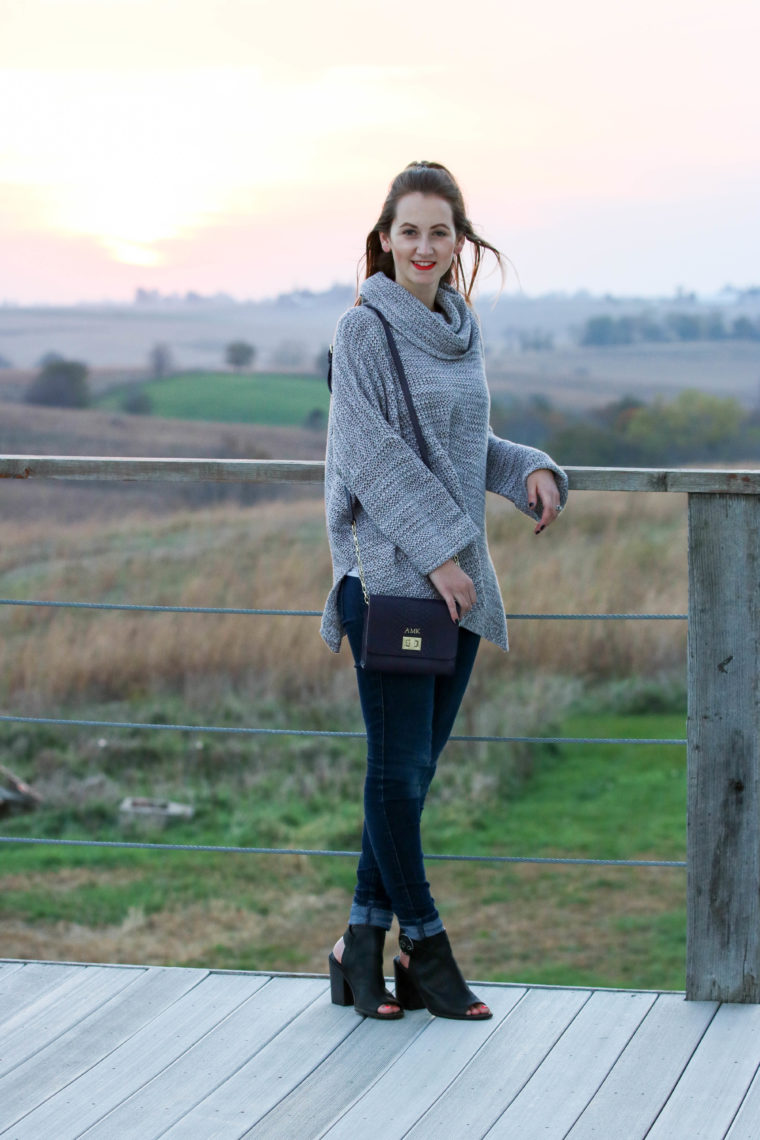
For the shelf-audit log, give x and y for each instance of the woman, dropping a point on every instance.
(421, 533)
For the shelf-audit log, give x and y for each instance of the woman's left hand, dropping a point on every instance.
(542, 489)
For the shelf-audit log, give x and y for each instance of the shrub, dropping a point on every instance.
(60, 384)
(240, 354)
(136, 402)
(160, 361)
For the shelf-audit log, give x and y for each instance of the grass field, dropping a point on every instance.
(558, 924)
(273, 399)
(604, 926)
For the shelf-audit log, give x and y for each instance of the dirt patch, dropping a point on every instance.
(212, 934)
(68, 879)
(506, 925)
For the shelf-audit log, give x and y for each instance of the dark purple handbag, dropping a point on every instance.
(405, 635)
(408, 635)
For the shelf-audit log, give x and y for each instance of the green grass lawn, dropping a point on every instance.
(585, 925)
(275, 399)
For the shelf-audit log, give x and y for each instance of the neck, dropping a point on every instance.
(426, 294)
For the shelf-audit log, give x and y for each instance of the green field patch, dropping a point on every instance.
(565, 924)
(270, 398)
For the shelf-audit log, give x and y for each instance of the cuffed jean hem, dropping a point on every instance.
(370, 916)
(423, 930)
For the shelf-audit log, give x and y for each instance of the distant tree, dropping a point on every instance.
(714, 328)
(536, 340)
(136, 402)
(48, 358)
(589, 444)
(531, 421)
(316, 420)
(617, 414)
(60, 384)
(146, 296)
(160, 361)
(650, 329)
(598, 331)
(603, 331)
(239, 354)
(745, 329)
(696, 425)
(685, 326)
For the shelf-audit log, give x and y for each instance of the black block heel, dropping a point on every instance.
(340, 991)
(358, 979)
(434, 981)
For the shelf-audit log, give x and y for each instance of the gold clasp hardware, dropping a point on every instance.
(411, 643)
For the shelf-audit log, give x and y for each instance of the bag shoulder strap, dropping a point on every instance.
(422, 446)
(404, 383)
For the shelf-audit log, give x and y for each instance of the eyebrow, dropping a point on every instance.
(435, 226)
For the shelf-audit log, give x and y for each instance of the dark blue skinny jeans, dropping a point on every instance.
(408, 721)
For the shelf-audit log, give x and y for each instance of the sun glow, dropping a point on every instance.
(113, 161)
(139, 161)
(131, 254)
(130, 213)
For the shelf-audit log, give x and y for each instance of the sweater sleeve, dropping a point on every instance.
(403, 498)
(508, 467)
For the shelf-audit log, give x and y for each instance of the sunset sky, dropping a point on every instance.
(246, 147)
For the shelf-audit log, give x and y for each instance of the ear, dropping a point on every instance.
(460, 244)
(385, 243)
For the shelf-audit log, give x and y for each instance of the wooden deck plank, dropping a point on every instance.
(705, 1100)
(145, 1054)
(74, 1052)
(567, 1079)
(53, 1014)
(345, 1073)
(138, 1053)
(424, 1070)
(209, 1063)
(31, 985)
(8, 968)
(646, 1072)
(746, 1124)
(274, 1072)
(506, 1062)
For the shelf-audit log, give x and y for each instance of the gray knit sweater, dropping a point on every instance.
(411, 519)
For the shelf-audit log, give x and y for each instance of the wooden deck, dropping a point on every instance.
(113, 1052)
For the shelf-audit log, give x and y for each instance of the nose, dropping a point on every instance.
(423, 245)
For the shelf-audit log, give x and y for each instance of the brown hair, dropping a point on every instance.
(429, 178)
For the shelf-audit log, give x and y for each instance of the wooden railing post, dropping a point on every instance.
(723, 921)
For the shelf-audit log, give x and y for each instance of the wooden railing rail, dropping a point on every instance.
(98, 467)
(723, 724)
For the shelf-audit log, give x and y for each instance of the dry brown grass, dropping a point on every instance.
(608, 553)
(504, 924)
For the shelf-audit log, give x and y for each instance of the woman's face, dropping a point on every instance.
(423, 243)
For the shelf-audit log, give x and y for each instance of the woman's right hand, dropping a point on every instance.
(455, 587)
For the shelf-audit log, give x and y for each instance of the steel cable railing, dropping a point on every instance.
(130, 606)
(227, 850)
(252, 731)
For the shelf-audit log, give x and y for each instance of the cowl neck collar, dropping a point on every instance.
(447, 339)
